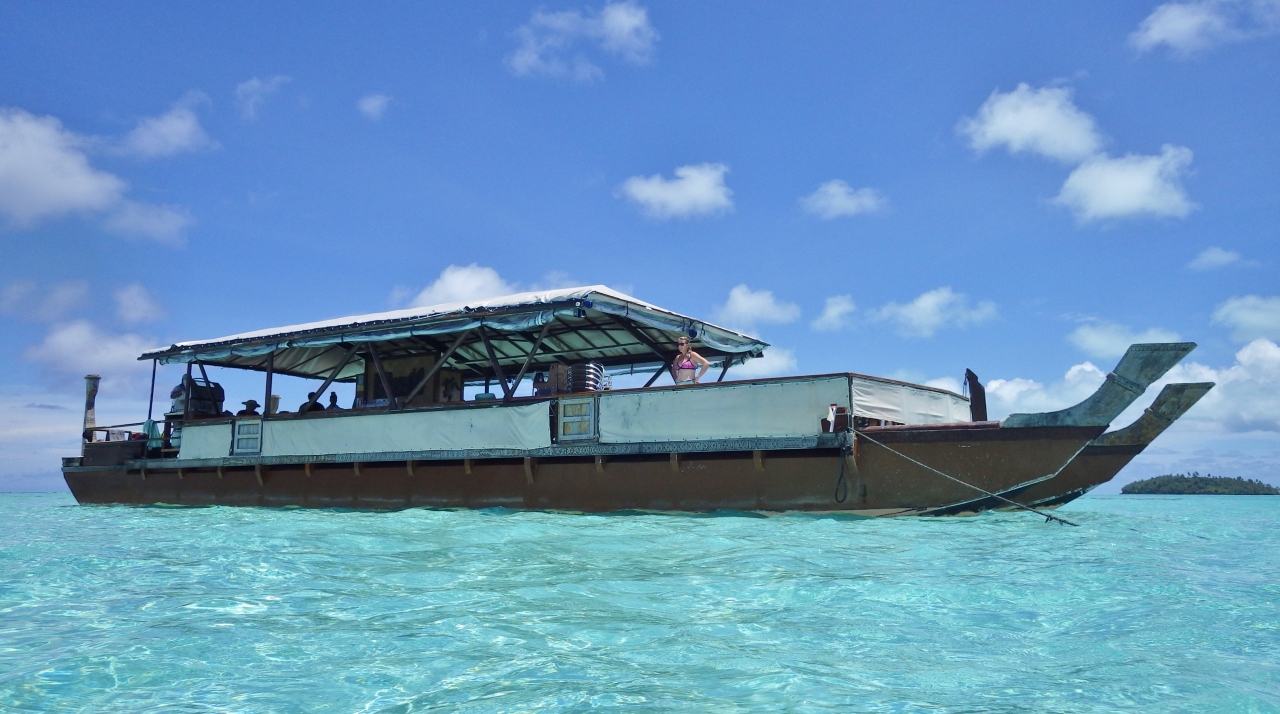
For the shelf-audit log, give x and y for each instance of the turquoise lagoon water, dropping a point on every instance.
(1161, 604)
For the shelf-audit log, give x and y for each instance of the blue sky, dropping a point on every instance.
(903, 191)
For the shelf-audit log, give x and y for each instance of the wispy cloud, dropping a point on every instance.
(836, 198)
(1250, 317)
(746, 308)
(176, 131)
(1186, 28)
(373, 105)
(252, 93)
(1102, 340)
(696, 190)
(24, 298)
(934, 310)
(836, 314)
(620, 29)
(135, 305)
(1213, 257)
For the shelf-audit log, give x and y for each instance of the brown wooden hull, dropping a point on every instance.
(877, 479)
(1094, 466)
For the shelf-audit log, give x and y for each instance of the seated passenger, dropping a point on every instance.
(317, 407)
(250, 408)
(333, 402)
(688, 366)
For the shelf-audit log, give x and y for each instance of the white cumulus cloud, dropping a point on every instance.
(134, 305)
(44, 172)
(775, 362)
(1250, 317)
(1108, 339)
(176, 131)
(1189, 27)
(1018, 395)
(697, 190)
(463, 283)
(78, 348)
(1247, 395)
(835, 314)
(1132, 185)
(933, 310)
(1043, 121)
(836, 198)
(621, 29)
(747, 308)
(252, 93)
(1214, 257)
(373, 105)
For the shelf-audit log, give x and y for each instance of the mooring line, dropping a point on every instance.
(1047, 517)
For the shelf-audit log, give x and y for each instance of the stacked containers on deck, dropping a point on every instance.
(586, 377)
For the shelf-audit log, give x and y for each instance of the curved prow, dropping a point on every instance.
(1140, 366)
(1174, 401)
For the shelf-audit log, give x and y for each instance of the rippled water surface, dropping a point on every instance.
(1155, 604)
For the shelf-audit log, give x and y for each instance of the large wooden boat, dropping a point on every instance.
(411, 439)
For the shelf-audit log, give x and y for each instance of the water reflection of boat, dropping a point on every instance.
(411, 439)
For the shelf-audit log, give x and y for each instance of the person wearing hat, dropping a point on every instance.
(250, 408)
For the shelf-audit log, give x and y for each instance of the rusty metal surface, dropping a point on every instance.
(1106, 455)
(994, 459)
(1140, 366)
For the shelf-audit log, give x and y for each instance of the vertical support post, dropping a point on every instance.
(271, 368)
(151, 400)
(186, 399)
(530, 465)
(675, 462)
(727, 361)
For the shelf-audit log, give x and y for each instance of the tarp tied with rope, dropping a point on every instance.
(592, 323)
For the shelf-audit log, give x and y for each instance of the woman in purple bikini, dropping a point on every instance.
(688, 366)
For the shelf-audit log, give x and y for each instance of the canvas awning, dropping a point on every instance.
(592, 323)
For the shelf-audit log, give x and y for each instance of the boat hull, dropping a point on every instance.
(880, 477)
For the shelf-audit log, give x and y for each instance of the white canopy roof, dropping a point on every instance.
(590, 323)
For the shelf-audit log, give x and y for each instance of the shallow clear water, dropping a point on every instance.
(1154, 603)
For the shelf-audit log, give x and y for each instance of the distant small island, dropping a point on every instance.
(1195, 484)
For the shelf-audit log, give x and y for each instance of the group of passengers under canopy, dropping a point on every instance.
(686, 368)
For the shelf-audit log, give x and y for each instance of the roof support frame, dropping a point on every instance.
(444, 357)
(382, 376)
(525, 367)
(493, 361)
(351, 351)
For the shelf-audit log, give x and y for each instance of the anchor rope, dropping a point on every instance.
(1047, 517)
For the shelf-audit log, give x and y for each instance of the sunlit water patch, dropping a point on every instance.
(1154, 604)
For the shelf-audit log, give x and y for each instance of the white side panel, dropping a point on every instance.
(515, 427)
(208, 441)
(904, 403)
(771, 409)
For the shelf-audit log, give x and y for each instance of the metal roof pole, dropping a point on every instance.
(332, 376)
(657, 374)
(493, 361)
(727, 362)
(527, 360)
(151, 400)
(266, 399)
(382, 377)
(436, 367)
